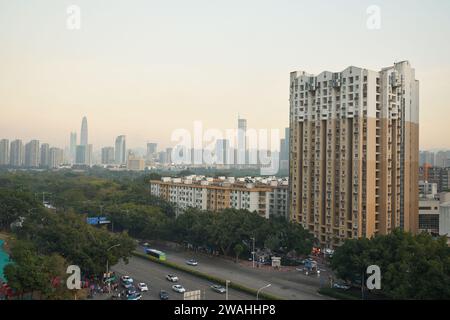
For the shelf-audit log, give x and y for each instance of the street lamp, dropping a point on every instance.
(107, 265)
(107, 261)
(253, 252)
(226, 288)
(257, 293)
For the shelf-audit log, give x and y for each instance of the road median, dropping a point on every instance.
(236, 286)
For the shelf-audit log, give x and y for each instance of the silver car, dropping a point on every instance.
(218, 288)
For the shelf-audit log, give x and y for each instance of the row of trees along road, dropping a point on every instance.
(412, 266)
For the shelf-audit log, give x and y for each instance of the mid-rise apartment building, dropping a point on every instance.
(354, 152)
(266, 196)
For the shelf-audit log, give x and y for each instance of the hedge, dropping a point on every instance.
(263, 295)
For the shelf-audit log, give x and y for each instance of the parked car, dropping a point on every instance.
(192, 262)
(178, 288)
(172, 278)
(142, 287)
(163, 295)
(218, 288)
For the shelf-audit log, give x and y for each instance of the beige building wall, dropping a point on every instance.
(354, 152)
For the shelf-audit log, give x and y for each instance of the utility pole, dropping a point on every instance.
(253, 252)
(43, 196)
(362, 286)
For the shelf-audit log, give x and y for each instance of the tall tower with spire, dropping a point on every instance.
(84, 132)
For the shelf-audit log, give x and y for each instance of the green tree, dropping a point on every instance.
(412, 266)
(238, 248)
(15, 204)
(36, 273)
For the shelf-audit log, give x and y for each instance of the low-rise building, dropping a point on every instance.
(266, 196)
(444, 216)
(135, 163)
(428, 215)
(427, 189)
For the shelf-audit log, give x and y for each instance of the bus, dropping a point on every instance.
(156, 253)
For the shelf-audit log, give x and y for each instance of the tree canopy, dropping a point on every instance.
(412, 266)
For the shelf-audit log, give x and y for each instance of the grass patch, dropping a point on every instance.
(236, 286)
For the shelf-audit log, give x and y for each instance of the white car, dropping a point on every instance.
(192, 262)
(172, 278)
(142, 287)
(178, 288)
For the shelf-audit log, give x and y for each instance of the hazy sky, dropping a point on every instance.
(144, 68)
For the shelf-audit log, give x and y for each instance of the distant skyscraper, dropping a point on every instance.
(242, 141)
(73, 146)
(32, 154)
(16, 153)
(152, 149)
(4, 152)
(89, 154)
(169, 155)
(45, 155)
(84, 132)
(80, 157)
(354, 152)
(440, 158)
(284, 151)
(222, 151)
(426, 157)
(162, 157)
(107, 155)
(56, 157)
(120, 150)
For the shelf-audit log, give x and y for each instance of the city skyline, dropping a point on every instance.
(127, 88)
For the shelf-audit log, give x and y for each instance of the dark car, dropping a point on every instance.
(163, 295)
(131, 291)
(135, 296)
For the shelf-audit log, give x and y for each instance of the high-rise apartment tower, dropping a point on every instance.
(354, 152)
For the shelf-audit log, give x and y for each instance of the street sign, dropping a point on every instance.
(193, 295)
(97, 220)
(103, 220)
(92, 220)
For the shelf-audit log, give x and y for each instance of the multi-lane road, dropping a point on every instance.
(290, 285)
(154, 275)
